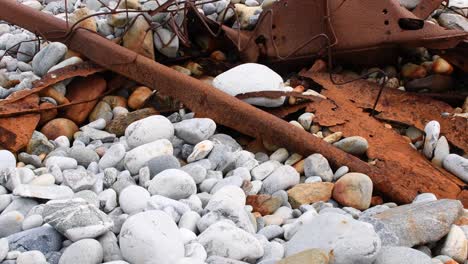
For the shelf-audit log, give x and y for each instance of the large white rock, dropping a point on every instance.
(148, 130)
(432, 130)
(151, 237)
(226, 240)
(173, 183)
(350, 240)
(227, 203)
(136, 158)
(457, 165)
(251, 77)
(455, 245)
(133, 199)
(7, 159)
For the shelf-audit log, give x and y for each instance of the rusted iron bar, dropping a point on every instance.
(198, 96)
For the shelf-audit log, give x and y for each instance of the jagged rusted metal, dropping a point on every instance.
(204, 99)
(354, 27)
(426, 7)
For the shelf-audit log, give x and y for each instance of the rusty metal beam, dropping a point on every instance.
(198, 96)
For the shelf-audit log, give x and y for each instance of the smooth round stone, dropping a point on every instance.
(98, 124)
(133, 199)
(398, 255)
(432, 130)
(62, 141)
(108, 200)
(457, 165)
(226, 240)
(456, 245)
(59, 127)
(43, 180)
(5, 200)
(425, 197)
(84, 251)
(7, 159)
(353, 190)
(64, 163)
(48, 57)
(441, 151)
(200, 151)
(32, 221)
(340, 172)
(351, 241)
(31, 257)
(189, 221)
(195, 130)
(10, 223)
(355, 145)
(151, 237)
(138, 157)
(138, 97)
(84, 156)
(148, 130)
(161, 163)
(280, 155)
(4, 248)
(317, 165)
(282, 178)
(262, 171)
(197, 172)
(173, 183)
(112, 156)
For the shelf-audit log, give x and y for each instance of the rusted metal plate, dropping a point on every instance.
(411, 173)
(15, 132)
(352, 27)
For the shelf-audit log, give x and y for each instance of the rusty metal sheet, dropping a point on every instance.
(426, 7)
(205, 100)
(353, 26)
(411, 173)
(15, 132)
(408, 108)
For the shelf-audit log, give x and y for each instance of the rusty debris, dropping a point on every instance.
(408, 171)
(318, 25)
(15, 132)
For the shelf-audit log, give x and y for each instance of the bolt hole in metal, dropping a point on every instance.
(385, 11)
(386, 22)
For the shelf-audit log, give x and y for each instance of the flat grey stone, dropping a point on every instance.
(173, 183)
(317, 165)
(45, 239)
(161, 163)
(398, 255)
(195, 130)
(79, 180)
(84, 156)
(48, 57)
(50, 192)
(110, 247)
(76, 219)
(85, 251)
(225, 239)
(282, 178)
(457, 165)
(351, 241)
(415, 224)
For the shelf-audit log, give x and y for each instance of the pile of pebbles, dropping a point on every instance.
(173, 190)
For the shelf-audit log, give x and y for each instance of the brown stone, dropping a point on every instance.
(101, 110)
(47, 115)
(310, 256)
(138, 97)
(433, 83)
(218, 55)
(442, 66)
(299, 166)
(59, 127)
(263, 203)
(114, 100)
(353, 190)
(130, 4)
(307, 193)
(83, 89)
(54, 94)
(120, 123)
(139, 38)
(89, 23)
(413, 71)
(195, 68)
